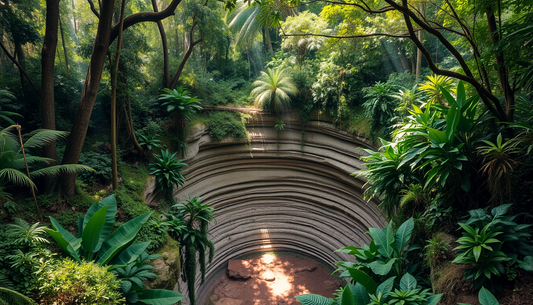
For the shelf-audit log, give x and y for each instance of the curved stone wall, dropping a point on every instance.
(280, 197)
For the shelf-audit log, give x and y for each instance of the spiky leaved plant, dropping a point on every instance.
(194, 240)
(167, 169)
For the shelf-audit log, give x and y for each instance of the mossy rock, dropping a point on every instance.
(167, 267)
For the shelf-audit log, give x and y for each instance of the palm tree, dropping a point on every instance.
(17, 164)
(273, 90)
(194, 240)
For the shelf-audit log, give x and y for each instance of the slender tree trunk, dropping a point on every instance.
(166, 76)
(403, 59)
(88, 97)
(64, 45)
(28, 172)
(47, 76)
(74, 17)
(418, 51)
(268, 41)
(502, 71)
(114, 172)
(187, 54)
(20, 56)
(20, 68)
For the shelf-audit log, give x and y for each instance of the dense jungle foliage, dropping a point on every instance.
(97, 96)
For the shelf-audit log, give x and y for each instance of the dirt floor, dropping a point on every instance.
(271, 279)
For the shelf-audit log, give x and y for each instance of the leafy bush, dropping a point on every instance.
(379, 105)
(21, 253)
(486, 252)
(94, 240)
(167, 169)
(101, 163)
(133, 277)
(70, 282)
(383, 261)
(226, 124)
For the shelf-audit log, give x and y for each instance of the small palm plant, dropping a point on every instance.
(167, 169)
(179, 105)
(194, 240)
(433, 88)
(273, 90)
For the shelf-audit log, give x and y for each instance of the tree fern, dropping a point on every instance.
(273, 90)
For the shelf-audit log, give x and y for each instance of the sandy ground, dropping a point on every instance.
(273, 280)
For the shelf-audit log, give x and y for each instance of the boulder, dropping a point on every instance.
(238, 270)
(167, 268)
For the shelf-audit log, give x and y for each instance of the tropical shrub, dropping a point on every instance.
(195, 216)
(379, 105)
(179, 105)
(71, 282)
(133, 277)
(387, 254)
(22, 252)
(95, 242)
(149, 141)
(225, 124)
(383, 261)
(486, 252)
(101, 163)
(167, 170)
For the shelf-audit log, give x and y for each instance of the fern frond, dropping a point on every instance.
(42, 137)
(14, 176)
(55, 170)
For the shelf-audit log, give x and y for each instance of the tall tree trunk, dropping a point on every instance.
(403, 60)
(508, 93)
(268, 41)
(19, 53)
(163, 35)
(418, 51)
(19, 67)
(88, 96)
(47, 76)
(114, 172)
(74, 21)
(64, 44)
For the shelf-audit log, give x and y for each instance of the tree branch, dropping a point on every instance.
(484, 94)
(348, 36)
(145, 16)
(20, 68)
(93, 9)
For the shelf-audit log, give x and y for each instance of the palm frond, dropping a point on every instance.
(56, 170)
(41, 137)
(11, 175)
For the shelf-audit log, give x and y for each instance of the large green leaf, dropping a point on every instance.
(364, 279)
(160, 297)
(130, 254)
(75, 242)
(11, 297)
(91, 232)
(314, 299)
(360, 294)
(347, 297)
(408, 282)
(452, 120)
(403, 234)
(437, 136)
(486, 297)
(383, 240)
(433, 299)
(385, 287)
(120, 238)
(63, 243)
(380, 267)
